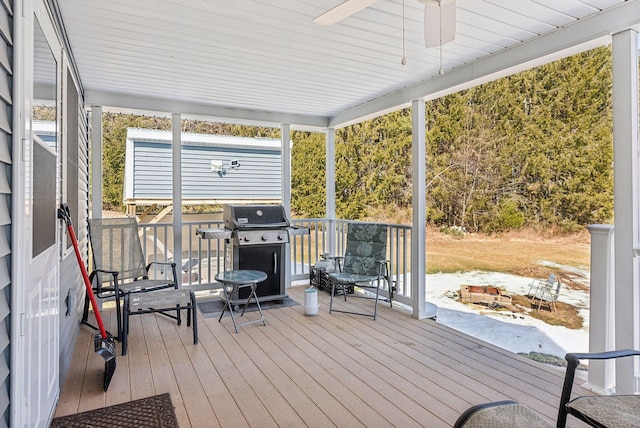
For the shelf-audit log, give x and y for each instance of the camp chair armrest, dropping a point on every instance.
(112, 272)
(383, 264)
(602, 355)
(337, 261)
(172, 264)
(573, 361)
(173, 270)
(98, 284)
(546, 294)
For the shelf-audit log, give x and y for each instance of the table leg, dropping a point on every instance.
(227, 304)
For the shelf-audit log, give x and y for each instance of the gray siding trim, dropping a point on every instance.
(6, 83)
(5, 155)
(5, 211)
(71, 282)
(5, 25)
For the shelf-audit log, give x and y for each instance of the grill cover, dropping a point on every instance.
(254, 216)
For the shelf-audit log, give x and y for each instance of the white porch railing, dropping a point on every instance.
(201, 259)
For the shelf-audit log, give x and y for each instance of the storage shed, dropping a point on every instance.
(216, 169)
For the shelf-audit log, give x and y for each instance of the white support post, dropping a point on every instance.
(96, 162)
(285, 143)
(330, 189)
(176, 169)
(419, 203)
(602, 307)
(286, 166)
(625, 155)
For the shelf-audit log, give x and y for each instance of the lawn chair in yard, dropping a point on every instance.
(537, 283)
(545, 292)
(363, 265)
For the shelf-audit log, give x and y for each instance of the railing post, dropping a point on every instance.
(602, 307)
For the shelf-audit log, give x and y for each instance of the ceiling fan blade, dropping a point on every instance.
(439, 22)
(342, 11)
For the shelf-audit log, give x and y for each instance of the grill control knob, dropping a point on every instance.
(280, 236)
(265, 237)
(247, 238)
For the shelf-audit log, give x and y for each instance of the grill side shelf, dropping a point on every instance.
(213, 233)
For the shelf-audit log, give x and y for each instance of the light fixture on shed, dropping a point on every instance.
(221, 167)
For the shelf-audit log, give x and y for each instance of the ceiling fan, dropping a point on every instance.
(439, 18)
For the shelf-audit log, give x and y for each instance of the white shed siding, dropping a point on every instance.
(258, 177)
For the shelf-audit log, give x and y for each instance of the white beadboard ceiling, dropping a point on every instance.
(266, 60)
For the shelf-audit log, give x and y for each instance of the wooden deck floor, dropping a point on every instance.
(328, 370)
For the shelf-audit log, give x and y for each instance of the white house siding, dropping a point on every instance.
(149, 168)
(71, 283)
(6, 61)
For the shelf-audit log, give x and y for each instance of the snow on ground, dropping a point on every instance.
(516, 332)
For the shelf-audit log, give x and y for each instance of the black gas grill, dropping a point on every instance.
(259, 235)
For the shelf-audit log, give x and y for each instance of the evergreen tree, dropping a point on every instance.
(532, 148)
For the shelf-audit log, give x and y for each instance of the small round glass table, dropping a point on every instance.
(232, 281)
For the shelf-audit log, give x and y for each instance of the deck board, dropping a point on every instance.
(321, 371)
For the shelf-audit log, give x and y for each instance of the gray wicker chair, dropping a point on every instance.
(500, 414)
(602, 410)
(364, 265)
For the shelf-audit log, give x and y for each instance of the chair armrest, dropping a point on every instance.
(535, 284)
(173, 270)
(601, 355)
(337, 261)
(98, 284)
(328, 256)
(573, 360)
(111, 272)
(384, 264)
(383, 270)
(172, 264)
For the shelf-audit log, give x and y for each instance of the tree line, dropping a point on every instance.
(534, 148)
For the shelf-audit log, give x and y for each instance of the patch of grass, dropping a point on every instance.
(517, 252)
(567, 315)
(550, 359)
(545, 358)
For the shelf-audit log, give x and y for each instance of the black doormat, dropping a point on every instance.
(150, 412)
(212, 309)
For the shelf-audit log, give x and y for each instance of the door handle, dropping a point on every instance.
(275, 263)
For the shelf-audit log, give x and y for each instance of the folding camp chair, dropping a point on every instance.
(364, 265)
(545, 292)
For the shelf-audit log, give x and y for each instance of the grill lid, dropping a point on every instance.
(254, 216)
